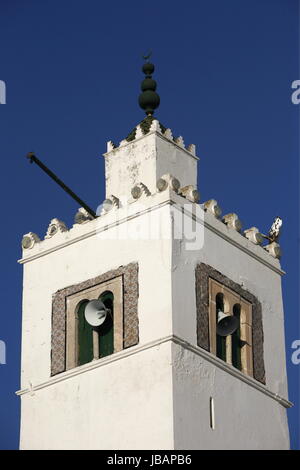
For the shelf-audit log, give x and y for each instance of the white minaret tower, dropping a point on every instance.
(192, 354)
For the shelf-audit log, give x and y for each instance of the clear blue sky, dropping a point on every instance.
(72, 70)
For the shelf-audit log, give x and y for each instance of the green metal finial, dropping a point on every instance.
(148, 100)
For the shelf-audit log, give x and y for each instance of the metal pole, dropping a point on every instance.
(34, 159)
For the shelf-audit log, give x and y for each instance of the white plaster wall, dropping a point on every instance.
(245, 418)
(176, 161)
(53, 415)
(145, 160)
(238, 266)
(126, 404)
(86, 259)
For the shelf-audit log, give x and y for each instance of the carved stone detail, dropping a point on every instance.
(168, 180)
(274, 250)
(82, 216)
(190, 193)
(213, 207)
(192, 149)
(29, 240)
(232, 221)
(110, 146)
(55, 226)
(179, 141)
(168, 134)
(254, 235)
(139, 190)
(138, 133)
(111, 202)
(155, 126)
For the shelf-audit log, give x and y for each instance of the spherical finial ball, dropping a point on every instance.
(148, 84)
(149, 101)
(148, 68)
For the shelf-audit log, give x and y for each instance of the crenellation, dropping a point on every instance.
(29, 240)
(82, 216)
(123, 142)
(254, 235)
(192, 149)
(179, 141)
(190, 193)
(232, 220)
(168, 134)
(155, 127)
(170, 181)
(274, 250)
(212, 206)
(140, 190)
(111, 202)
(56, 226)
(139, 132)
(110, 146)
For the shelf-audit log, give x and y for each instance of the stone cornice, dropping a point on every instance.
(140, 348)
(212, 224)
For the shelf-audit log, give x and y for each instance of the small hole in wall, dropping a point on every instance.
(212, 413)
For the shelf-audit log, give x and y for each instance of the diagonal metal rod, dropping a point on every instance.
(34, 159)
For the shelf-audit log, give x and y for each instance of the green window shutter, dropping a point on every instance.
(236, 340)
(85, 337)
(106, 331)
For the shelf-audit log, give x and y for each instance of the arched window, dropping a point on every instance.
(85, 336)
(106, 330)
(236, 347)
(83, 343)
(221, 340)
(95, 342)
(236, 339)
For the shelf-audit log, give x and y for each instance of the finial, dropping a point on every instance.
(275, 230)
(148, 100)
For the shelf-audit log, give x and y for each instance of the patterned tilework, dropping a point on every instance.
(203, 273)
(130, 311)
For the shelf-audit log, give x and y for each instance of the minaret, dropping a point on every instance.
(192, 353)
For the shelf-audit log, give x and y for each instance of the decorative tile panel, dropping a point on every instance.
(203, 274)
(129, 274)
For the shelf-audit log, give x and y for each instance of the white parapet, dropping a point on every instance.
(146, 158)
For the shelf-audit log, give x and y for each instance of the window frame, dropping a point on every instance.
(73, 302)
(203, 272)
(130, 276)
(231, 298)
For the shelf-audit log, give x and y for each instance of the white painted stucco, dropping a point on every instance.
(126, 404)
(145, 160)
(245, 418)
(156, 394)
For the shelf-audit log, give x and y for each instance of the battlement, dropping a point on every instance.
(114, 211)
(147, 126)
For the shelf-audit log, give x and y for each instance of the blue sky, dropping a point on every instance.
(73, 71)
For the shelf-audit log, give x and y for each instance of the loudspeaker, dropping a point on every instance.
(227, 324)
(95, 312)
